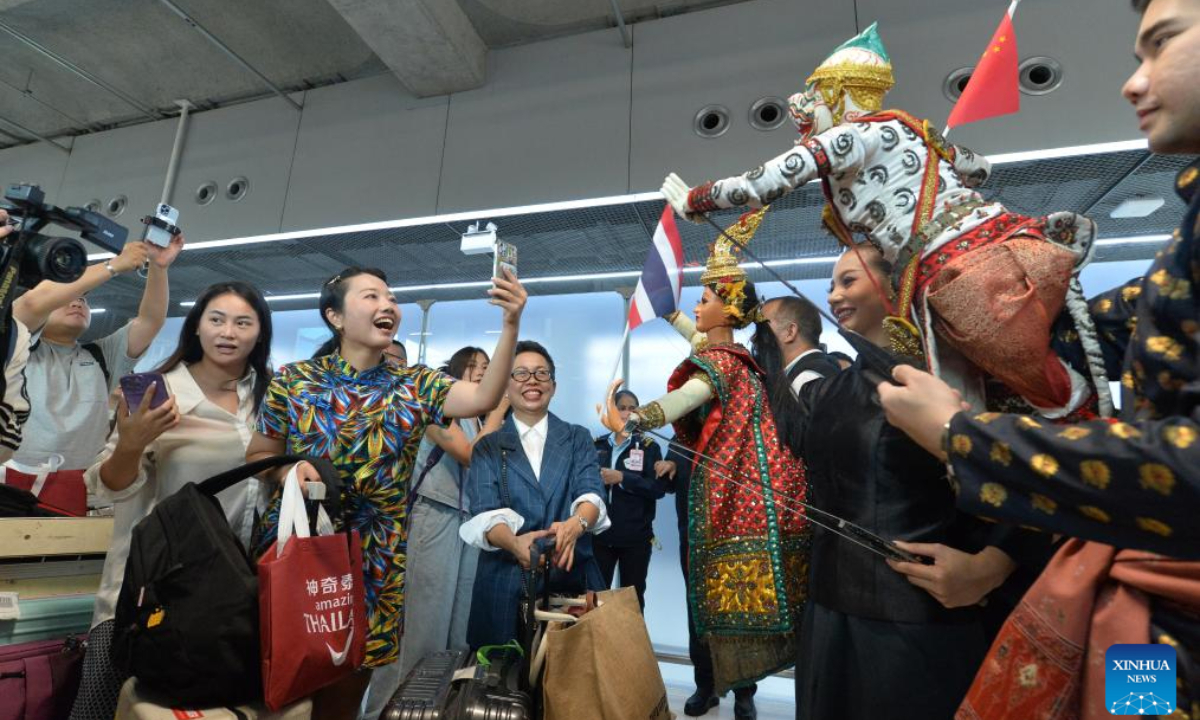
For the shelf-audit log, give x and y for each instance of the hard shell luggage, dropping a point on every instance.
(497, 682)
(453, 685)
(38, 680)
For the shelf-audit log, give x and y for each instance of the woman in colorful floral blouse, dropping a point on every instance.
(368, 417)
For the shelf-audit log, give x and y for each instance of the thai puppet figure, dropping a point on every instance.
(978, 287)
(748, 540)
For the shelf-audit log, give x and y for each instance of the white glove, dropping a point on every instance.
(675, 191)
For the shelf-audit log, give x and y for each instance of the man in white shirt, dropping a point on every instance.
(796, 325)
(69, 383)
(538, 475)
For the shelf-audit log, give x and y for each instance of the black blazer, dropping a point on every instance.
(632, 503)
(861, 468)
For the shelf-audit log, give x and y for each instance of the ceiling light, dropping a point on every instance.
(99, 311)
(1072, 151)
(1139, 206)
(1135, 240)
(1132, 240)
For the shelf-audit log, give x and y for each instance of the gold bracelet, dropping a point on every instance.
(651, 416)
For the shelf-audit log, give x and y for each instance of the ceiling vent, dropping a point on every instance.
(1040, 75)
(711, 121)
(767, 113)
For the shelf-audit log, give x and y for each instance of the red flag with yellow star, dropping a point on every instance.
(993, 89)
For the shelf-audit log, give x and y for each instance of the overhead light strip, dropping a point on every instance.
(823, 260)
(497, 213)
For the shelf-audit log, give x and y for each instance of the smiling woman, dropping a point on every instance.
(368, 417)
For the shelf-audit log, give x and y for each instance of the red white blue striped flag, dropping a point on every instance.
(657, 293)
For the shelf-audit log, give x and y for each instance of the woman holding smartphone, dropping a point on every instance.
(368, 417)
(216, 378)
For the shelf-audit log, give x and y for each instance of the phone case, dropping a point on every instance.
(134, 388)
(505, 257)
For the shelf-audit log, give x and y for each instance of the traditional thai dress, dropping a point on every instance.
(748, 541)
(369, 424)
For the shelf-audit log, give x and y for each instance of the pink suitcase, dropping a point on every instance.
(38, 680)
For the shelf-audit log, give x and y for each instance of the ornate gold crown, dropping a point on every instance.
(860, 68)
(723, 262)
(723, 270)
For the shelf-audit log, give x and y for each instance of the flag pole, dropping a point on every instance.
(620, 354)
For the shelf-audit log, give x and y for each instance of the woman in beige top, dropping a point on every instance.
(217, 377)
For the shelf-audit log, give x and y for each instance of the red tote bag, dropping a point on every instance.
(61, 491)
(312, 612)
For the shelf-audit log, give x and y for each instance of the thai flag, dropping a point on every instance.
(657, 293)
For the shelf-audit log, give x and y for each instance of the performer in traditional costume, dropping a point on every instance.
(748, 548)
(883, 640)
(978, 286)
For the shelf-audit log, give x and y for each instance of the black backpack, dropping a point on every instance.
(187, 614)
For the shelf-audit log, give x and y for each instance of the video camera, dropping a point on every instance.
(37, 257)
(27, 258)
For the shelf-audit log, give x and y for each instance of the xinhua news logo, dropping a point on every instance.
(1139, 679)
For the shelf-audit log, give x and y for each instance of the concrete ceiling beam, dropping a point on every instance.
(430, 45)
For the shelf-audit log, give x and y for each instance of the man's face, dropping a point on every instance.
(1165, 90)
(71, 320)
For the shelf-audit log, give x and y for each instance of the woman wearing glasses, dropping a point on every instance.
(537, 477)
(368, 417)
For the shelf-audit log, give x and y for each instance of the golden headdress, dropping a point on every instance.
(724, 271)
(859, 67)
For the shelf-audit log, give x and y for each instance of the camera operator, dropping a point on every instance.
(68, 383)
(14, 404)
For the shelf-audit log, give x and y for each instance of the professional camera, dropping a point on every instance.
(27, 258)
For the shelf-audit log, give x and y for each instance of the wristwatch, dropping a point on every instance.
(583, 522)
(111, 270)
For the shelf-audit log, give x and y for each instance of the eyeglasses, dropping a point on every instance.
(541, 375)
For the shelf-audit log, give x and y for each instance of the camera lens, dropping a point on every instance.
(60, 260)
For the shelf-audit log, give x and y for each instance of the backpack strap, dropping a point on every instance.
(94, 350)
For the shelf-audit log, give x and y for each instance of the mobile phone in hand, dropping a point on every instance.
(505, 258)
(135, 385)
(162, 225)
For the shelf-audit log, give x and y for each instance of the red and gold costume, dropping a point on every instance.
(748, 539)
(978, 286)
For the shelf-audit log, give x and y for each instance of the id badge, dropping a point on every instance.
(636, 460)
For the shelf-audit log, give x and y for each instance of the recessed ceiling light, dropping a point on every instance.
(1139, 206)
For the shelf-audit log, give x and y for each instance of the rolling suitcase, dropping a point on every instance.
(452, 685)
(494, 683)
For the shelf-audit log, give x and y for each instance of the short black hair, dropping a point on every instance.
(804, 314)
(1140, 6)
(535, 347)
(625, 393)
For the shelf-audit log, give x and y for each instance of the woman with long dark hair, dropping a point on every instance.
(217, 378)
(719, 401)
(368, 418)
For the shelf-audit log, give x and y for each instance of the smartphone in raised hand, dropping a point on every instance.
(504, 258)
(135, 385)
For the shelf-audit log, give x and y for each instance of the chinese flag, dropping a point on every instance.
(993, 88)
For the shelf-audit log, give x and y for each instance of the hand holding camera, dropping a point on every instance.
(132, 257)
